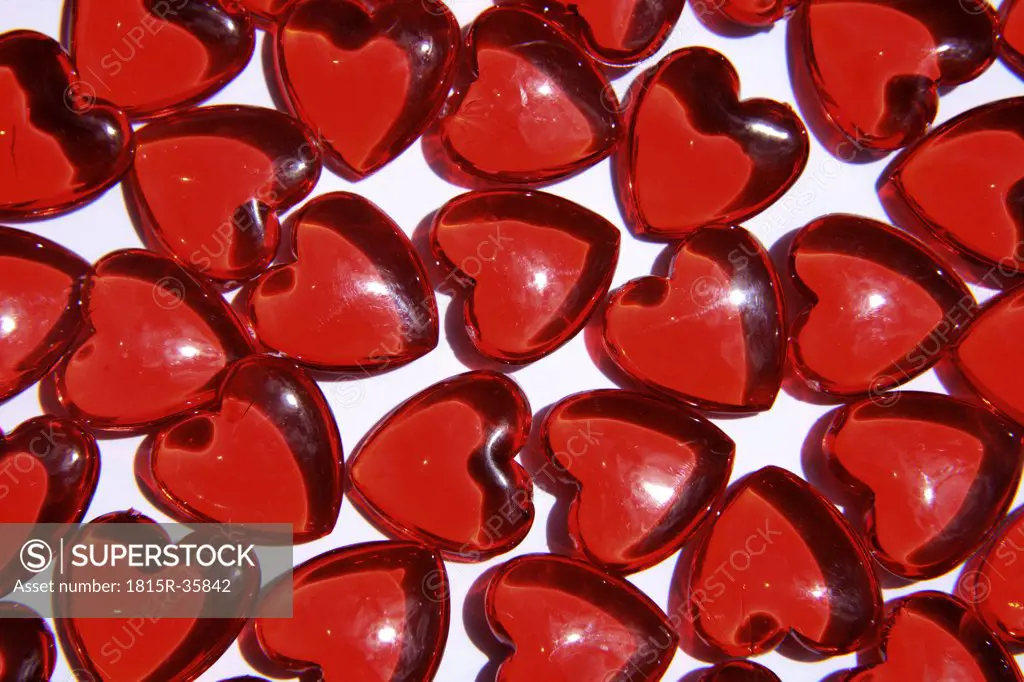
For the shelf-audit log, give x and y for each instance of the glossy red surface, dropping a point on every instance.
(738, 671)
(207, 185)
(722, 293)
(267, 12)
(268, 452)
(566, 620)
(151, 58)
(354, 296)
(374, 612)
(70, 146)
(440, 468)
(531, 268)
(992, 583)
(695, 154)
(527, 105)
(119, 379)
(757, 14)
(1011, 35)
(27, 650)
(646, 472)
(875, 307)
(780, 560)
(401, 52)
(934, 476)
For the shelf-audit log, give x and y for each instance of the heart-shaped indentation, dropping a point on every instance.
(266, 12)
(60, 147)
(695, 155)
(1011, 35)
(780, 560)
(535, 265)
(355, 297)
(872, 71)
(373, 612)
(722, 293)
(206, 186)
(27, 650)
(876, 307)
(528, 105)
(566, 620)
(932, 636)
(738, 671)
(156, 342)
(153, 57)
(269, 452)
(979, 210)
(992, 583)
(933, 475)
(40, 282)
(647, 473)
(401, 54)
(440, 468)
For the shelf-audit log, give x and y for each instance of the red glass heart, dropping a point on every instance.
(207, 185)
(979, 213)
(39, 315)
(992, 584)
(440, 468)
(566, 620)
(402, 52)
(1011, 35)
(266, 12)
(373, 612)
(268, 452)
(696, 155)
(933, 476)
(527, 105)
(646, 473)
(120, 379)
(27, 651)
(932, 636)
(780, 560)
(722, 292)
(875, 308)
(752, 13)
(532, 268)
(354, 297)
(738, 671)
(70, 147)
(153, 57)
(871, 72)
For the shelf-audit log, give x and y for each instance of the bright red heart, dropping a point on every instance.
(207, 185)
(354, 298)
(27, 651)
(758, 14)
(527, 105)
(933, 475)
(992, 583)
(738, 671)
(1011, 35)
(267, 452)
(156, 342)
(154, 57)
(374, 612)
(875, 308)
(60, 147)
(566, 620)
(646, 474)
(722, 293)
(440, 468)
(532, 268)
(401, 55)
(266, 12)
(695, 155)
(778, 561)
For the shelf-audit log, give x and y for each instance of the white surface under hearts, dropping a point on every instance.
(408, 191)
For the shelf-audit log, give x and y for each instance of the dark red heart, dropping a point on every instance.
(400, 55)
(646, 474)
(780, 560)
(266, 12)
(207, 185)
(60, 147)
(722, 292)
(354, 297)
(371, 612)
(875, 308)
(1011, 35)
(695, 154)
(440, 468)
(153, 57)
(933, 475)
(155, 343)
(738, 671)
(527, 106)
(267, 452)
(566, 620)
(756, 14)
(992, 583)
(531, 268)
(27, 651)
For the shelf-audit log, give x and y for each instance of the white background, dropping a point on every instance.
(408, 191)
